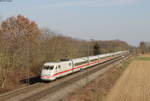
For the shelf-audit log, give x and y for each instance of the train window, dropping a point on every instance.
(93, 60)
(69, 64)
(48, 67)
(80, 63)
(104, 57)
(58, 66)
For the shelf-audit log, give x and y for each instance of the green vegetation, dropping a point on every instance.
(143, 58)
(96, 48)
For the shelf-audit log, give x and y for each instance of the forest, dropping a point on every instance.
(24, 47)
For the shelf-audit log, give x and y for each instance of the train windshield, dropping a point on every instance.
(48, 67)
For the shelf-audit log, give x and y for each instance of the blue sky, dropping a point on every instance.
(127, 20)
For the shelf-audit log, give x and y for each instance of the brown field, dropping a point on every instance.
(134, 84)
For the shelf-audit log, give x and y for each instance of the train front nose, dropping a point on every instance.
(46, 74)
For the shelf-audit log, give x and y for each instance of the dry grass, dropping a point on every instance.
(134, 84)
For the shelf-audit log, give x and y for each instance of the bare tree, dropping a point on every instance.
(21, 35)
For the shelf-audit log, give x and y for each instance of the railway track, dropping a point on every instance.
(42, 90)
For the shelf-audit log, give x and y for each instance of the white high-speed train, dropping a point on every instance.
(53, 70)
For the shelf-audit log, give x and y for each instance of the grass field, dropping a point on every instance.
(144, 58)
(134, 84)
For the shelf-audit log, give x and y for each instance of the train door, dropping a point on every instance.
(71, 66)
(58, 70)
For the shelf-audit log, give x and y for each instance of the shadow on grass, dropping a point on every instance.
(31, 80)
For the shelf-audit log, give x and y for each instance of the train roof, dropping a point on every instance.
(84, 58)
(50, 63)
(54, 63)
